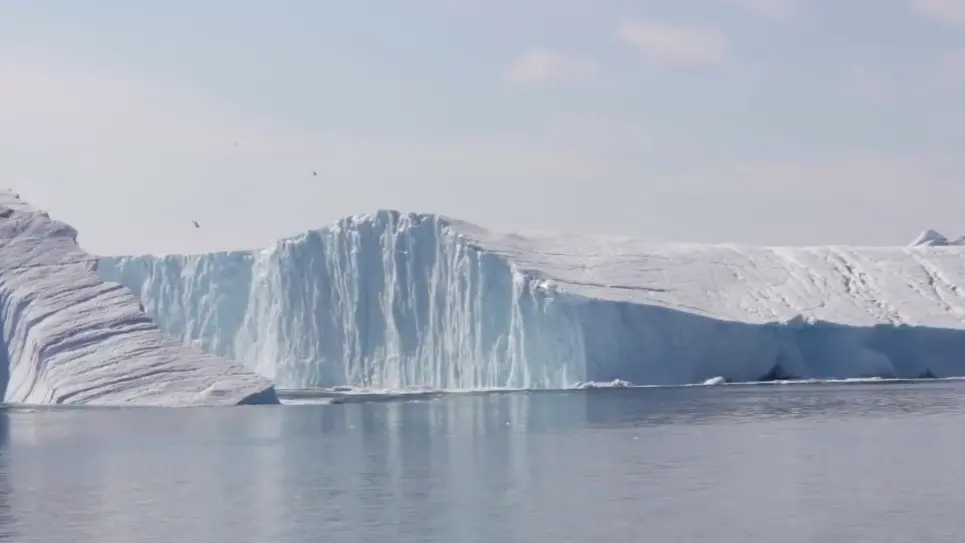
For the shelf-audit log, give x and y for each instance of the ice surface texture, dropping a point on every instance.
(396, 301)
(70, 338)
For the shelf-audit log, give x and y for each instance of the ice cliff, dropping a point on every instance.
(393, 301)
(69, 337)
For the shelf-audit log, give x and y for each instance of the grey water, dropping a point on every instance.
(801, 463)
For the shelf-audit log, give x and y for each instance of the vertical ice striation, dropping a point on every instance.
(384, 301)
(396, 301)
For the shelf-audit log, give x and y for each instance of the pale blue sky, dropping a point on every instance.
(762, 121)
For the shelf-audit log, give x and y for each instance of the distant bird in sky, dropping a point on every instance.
(314, 173)
(196, 225)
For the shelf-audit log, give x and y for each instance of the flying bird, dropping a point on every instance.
(314, 173)
(196, 225)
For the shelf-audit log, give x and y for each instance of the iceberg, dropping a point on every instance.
(931, 238)
(394, 301)
(69, 337)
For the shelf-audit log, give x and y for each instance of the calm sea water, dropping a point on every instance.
(822, 463)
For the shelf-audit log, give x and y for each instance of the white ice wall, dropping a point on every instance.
(395, 300)
(382, 301)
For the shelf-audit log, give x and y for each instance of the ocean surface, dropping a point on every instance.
(824, 463)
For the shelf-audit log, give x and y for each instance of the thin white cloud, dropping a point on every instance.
(941, 78)
(52, 104)
(868, 83)
(856, 177)
(100, 148)
(781, 10)
(666, 43)
(795, 196)
(507, 8)
(542, 66)
(45, 101)
(949, 12)
(950, 71)
(607, 135)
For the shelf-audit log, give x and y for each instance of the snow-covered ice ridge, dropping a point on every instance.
(69, 337)
(399, 301)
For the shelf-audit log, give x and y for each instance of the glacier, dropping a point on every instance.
(68, 337)
(395, 301)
